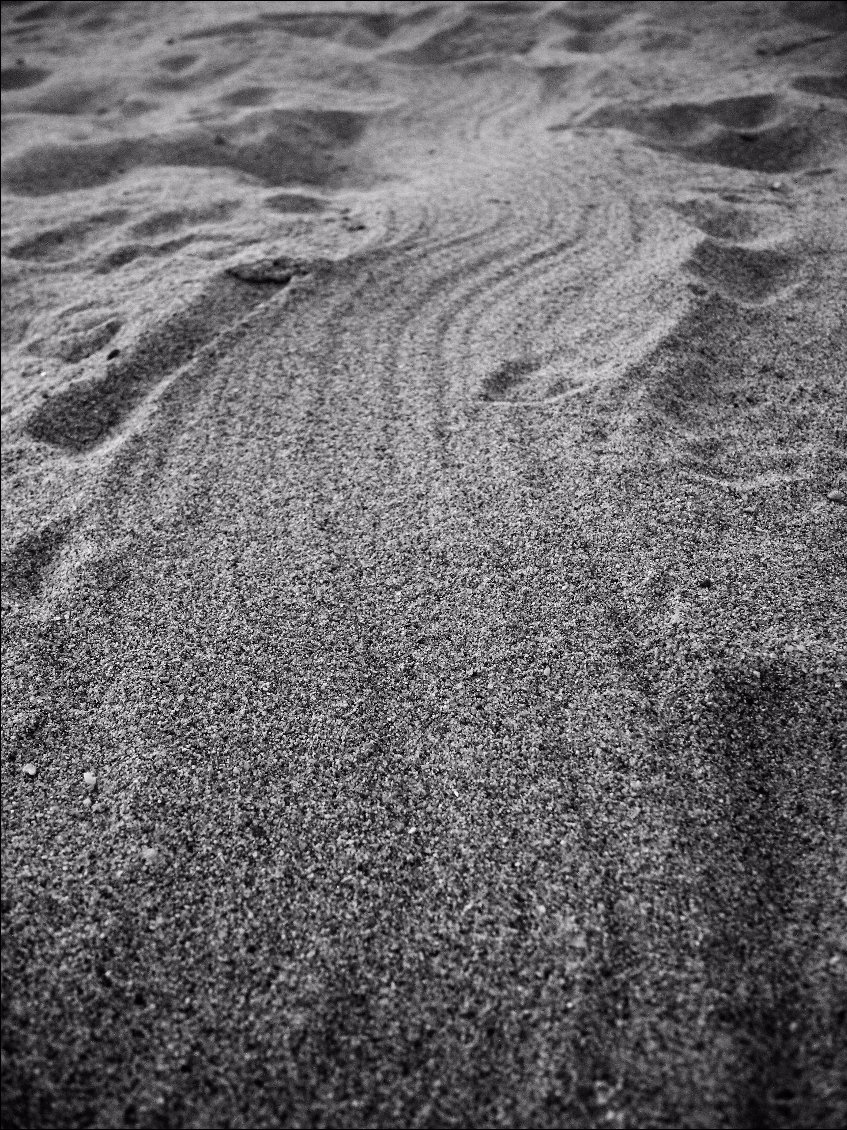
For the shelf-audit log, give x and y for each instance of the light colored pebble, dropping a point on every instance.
(837, 496)
(29, 769)
(89, 779)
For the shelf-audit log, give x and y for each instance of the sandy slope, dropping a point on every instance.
(422, 435)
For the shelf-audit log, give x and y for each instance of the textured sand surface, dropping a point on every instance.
(424, 489)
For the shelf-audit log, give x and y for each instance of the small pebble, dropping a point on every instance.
(149, 854)
(89, 779)
(29, 769)
(837, 496)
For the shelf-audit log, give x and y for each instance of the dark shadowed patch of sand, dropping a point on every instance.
(278, 147)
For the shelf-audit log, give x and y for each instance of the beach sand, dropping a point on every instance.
(424, 478)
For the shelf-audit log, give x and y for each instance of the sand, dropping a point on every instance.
(424, 489)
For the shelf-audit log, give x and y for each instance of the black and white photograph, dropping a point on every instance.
(424, 565)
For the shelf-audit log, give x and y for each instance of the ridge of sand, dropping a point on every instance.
(423, 512)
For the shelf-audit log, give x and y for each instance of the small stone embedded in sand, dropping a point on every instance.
(89, 779)
(276, 271)
(837, 496)
(149, 854)
(29, 769)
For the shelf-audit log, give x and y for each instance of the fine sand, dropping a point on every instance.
(424, 480)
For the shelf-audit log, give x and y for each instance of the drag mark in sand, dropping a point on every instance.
(86, 412)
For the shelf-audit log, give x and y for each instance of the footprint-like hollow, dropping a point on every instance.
(721, 221)
(28, 562)
(760, 132)
(830, 15)
(277, 147)
(585, 43)
(88, 411)
(530, 380)
(506, 380)
(827, 86)
(556, 80)
(177, 63)
(56, 245)
(295, 202)
(21, 76)
(246, 96)
(750, 275)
